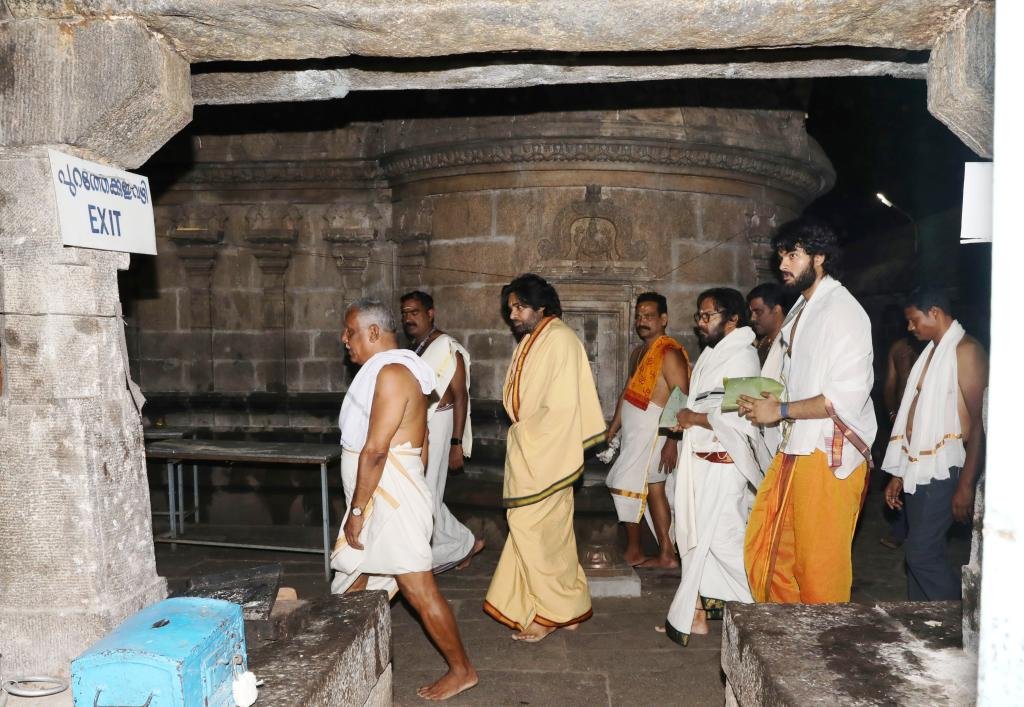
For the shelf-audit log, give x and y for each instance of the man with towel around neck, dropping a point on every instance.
(637, 478)
(937, 447)
(385, 537)
(717, 473)
(550, 397)
(448, 424)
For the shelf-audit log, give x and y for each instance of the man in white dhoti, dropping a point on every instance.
(717, 472)
(937, 447)
(448, 423)
(385, 538)
(637, 478)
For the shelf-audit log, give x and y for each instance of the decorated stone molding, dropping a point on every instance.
(593, 238)
(272, 224)
(806, 178)
(190, 225)
(360, 174)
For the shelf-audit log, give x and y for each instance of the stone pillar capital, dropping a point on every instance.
(350, 248)
(108, 87)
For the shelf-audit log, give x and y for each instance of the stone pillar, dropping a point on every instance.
(198, 234)
(77, 549)
(272, 235)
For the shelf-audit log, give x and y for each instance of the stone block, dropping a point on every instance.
(165, 345)
(60, 288)
(906, 653)
(705, 266)
(961, 77)
(236, 310)
(462, 215)
(471, 306)
(322, 375)
(111, 87)
(327, 344)
(234, 376)
(338, 659)
(162, 376)
(318, 310)
(724, 218)
(160, 313)
(247, 345)
(457, 262)
(495, 345)
(299, 344)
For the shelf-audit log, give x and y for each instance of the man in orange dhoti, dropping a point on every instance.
(550, 396)
(800, 532)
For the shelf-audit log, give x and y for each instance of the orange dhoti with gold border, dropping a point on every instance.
(800, 531)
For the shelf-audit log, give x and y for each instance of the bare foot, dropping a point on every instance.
(660, 562)
(633, 559)
(478, 545)
(700, 623)
(534, 633)
(450, 684)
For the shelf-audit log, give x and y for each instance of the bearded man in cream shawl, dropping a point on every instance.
(937, 447)
(717, 473)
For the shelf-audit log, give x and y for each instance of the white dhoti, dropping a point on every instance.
(638, 463)
(396, 532)
(452, 541)
(714, 568)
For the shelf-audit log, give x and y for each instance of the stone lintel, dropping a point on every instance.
(905, 653)
(961, 77)
(274, 86)
(301, 29)
(108, 87)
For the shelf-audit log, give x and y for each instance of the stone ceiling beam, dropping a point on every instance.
(230, 87)
(241, 30)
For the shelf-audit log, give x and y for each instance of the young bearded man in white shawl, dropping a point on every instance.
(448, 422)
(717, 473)
(937, 447)
(385, 538)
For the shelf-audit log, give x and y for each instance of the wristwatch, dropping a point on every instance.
(357, 511)
(456, 441)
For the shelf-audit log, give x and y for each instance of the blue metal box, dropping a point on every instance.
(179, 652)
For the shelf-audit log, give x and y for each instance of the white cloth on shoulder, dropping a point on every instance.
(771, 435)
(397, 526)
(937, 439)
(440, 356)
(354, 418)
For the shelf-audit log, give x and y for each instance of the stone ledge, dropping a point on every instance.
(339, 658)
(906, 653)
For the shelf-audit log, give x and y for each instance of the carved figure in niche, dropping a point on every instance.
(593, 237)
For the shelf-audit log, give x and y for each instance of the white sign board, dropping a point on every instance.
(102, 207)
(976, 217)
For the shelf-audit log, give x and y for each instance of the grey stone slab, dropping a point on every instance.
(906, 653)
(498, 688)
(290, 29)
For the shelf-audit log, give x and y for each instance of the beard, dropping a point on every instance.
(801, 281)
(712, 337)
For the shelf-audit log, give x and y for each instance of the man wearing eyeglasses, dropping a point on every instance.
(717, 471)
(799, 537)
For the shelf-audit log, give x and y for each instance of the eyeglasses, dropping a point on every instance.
(705, 317)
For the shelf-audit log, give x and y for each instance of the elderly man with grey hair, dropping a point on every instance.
(385, 538)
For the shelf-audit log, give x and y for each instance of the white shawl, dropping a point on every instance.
(732, 357)
(354, 418)
(440, 356)
(831, 356)
(937, 440)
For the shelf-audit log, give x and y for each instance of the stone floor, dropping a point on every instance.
(616, 658)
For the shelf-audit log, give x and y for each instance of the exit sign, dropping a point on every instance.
(102, 207)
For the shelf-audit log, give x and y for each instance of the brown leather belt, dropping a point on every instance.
(714, 457)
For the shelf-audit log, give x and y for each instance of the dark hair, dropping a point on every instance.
(533, 291)
(772, 294)
(816, 238)
(928, 296)
(729, 301)
(422, 297)
(656, 298)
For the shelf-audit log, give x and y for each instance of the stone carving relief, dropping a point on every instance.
(194, 224)
(593, 238)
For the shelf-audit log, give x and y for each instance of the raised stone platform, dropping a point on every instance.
(905, 653)
(342, 656)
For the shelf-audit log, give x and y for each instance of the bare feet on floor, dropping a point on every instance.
(451, 683)
(700, 623)
(534, 633)
(478, 545)
(660, 562)
(635, 559)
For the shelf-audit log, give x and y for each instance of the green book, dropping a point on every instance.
(752, 387)
(676, 402)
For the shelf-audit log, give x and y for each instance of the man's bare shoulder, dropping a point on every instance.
(970, 352)
(396, 377)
